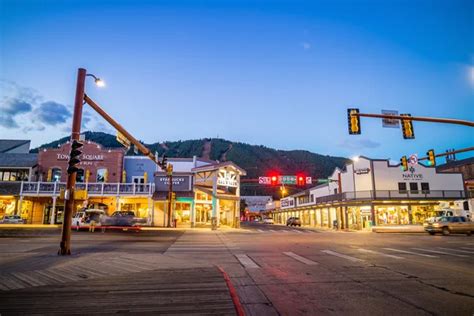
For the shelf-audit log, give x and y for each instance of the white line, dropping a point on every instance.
(286, 231)
(337, 254)
(411, 252)
(272, 230)
(458, 250)
(441, 252)
(467, 248)
(246, 261)
(380, 253)
(300, 259)
(297, 231)
(260, 230)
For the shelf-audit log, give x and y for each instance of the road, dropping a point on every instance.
(275, 270)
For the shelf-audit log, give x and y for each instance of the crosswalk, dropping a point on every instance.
(281, 231)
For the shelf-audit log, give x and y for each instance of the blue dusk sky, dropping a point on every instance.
(275, 73)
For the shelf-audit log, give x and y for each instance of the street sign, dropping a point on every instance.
(309, 180)
(288, 180)
(264, 180)
(391, 123)
(413, 160)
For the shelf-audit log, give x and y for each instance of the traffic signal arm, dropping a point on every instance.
(448, 153)
(418, 118)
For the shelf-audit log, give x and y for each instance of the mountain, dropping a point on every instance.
(256, 160)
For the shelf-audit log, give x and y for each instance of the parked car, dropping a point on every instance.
(122, 218)
(268, 220)
(293, 221)
(12, 219)
(84, 218)
(450, 225)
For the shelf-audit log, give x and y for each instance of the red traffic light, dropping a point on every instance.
(274, 180)
(300, 180)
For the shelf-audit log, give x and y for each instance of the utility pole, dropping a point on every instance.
(169, 170)
(65, 244)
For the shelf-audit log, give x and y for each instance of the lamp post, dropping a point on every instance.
(65, 244)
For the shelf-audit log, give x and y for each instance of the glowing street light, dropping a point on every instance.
(99, 82)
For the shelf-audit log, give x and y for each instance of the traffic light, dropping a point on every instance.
(431, 157)
(407, 127)
(353, 121)
(274, 180)
(74, 156)
(173, 196)
(404, 163)
(300, 181)
(164, 162)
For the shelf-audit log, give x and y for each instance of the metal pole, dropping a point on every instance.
(449, 153)
(417, 118)
(65, 244)
(170, 194)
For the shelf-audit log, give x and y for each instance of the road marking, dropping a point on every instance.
(337, 254)
(246, 261)
(411, 252)
(458, 250)
(286, 231)
(260, 230)
(274, 231)
(379, 253)
(467, 248)
(300, 259)
(441, 252)
(297, 231)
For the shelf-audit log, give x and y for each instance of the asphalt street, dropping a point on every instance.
(276, 270)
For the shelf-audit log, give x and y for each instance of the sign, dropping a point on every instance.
(288, 179)
(411, 175)
(80, 195)
(284, 203)
(180, 183)
(123, 140)
(264, 180)
(391, 123)
(413, 160)
(227, 179)
(309, 180)
(91, 157)
(362, 171)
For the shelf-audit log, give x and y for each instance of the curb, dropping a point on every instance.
(233, 293)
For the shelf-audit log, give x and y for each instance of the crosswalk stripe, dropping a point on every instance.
(411, 252)
(467, 248)
(458, 250)
(273, 231)
(297, 231)
(441, 252)
(286, 231)
(337, 254)
(261, 230)
(246, 261)
(380, 253)
(300, 258)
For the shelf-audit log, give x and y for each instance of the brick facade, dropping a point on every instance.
(93, 157)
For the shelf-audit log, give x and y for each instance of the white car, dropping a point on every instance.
(83, 218)
(268, 220)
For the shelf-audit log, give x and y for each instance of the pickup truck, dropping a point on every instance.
(450, 225)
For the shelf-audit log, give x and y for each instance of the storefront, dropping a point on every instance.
(372, 192)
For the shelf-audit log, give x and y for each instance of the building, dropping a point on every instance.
(466, 167)
(16, 165)
(372, 192)
(206, 192)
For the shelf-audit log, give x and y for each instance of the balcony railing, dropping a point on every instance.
(93, 189)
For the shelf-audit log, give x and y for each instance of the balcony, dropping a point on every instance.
(93, 189)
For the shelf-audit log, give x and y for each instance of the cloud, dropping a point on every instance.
(11, 107)
(51, 113)
(359, 144)
(306, 45)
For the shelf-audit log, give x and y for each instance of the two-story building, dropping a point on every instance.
(372, 192)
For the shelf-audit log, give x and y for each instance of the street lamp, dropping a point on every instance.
(65, 244)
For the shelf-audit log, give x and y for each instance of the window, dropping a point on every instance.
(80, 175)
(425, 187)
(56, 174)
(101, 175)
(414, 187)
(402, 187)
(312, 198)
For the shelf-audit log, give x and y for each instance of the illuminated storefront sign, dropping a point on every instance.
(227, 179)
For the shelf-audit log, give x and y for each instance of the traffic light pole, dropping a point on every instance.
(417, 118)
(170, 193)
(65, 244)
(449, 153)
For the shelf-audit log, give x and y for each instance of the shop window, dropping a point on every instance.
(56, 175)
(414, 187)
(425, 188)
(402, 187)
(80, 175)
(101, 175)
(312, 198)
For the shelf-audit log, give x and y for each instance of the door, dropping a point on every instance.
(139, 183)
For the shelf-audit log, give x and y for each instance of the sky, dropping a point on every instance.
(275, 73)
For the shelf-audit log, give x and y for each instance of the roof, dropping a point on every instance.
(10, 144)
(216, 166)
(456, 163)
(18, 160)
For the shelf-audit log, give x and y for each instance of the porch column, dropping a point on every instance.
(329, 218)
(372, 212)
(20, 202)
(237, 205)
(117, 203)
(150, 210)
(410, 215)
(193, 214)
(53, 211)
(346, 216)
(215, 203)
(338, 218)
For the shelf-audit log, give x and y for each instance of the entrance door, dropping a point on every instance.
(366, 220)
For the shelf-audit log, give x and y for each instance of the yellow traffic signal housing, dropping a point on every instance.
(173, 196)
(353, 121)
(404, 163)
(407, 127)
(431, 157)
